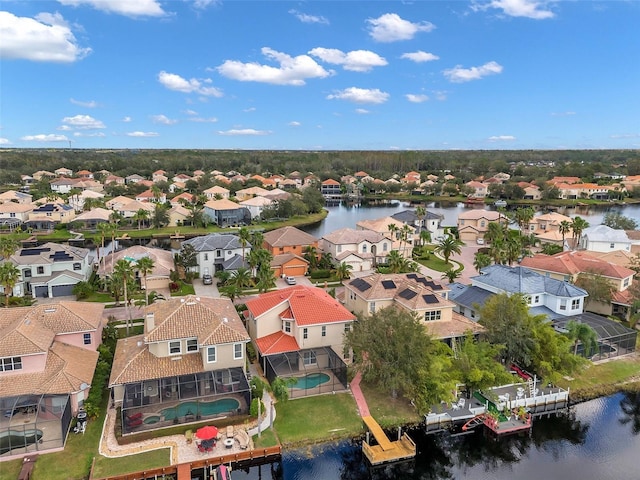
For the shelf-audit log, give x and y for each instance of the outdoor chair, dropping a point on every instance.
(461, 403)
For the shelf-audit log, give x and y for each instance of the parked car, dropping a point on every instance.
(207, 279)
(480, 241)
(290, 280)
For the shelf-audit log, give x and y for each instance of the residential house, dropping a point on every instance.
(63, 172)
(47, 361)
(480, 190)
(152, 197)
(331, 188)
(51, 270)
(545, 295)
(288, 246)
(14, 214)
(568, 180)
(181, 199)
(217, 193)
(412, 177)
(602, 238)
(77, 200)
(15, 197)
(45, 217)
(362, 249)
(117, 202)
(532, 192)
(181, 177)
(92, 218)
(568, 266)
(219, 251)
(178, 216)
(247, 193)
(474, 223)
(430, 222)
(114, 179)
(414, 293)
(134, 178)
(546, 228)
(299, 331)
(189, 365)
(85, 174)
(403, 237)
(43, 174)
(226, 213)
(131, 208)
(256, 205)
(288, 184)
(159, 175)
(157, 279)
(65, 185)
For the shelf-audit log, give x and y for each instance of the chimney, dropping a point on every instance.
(151, 321)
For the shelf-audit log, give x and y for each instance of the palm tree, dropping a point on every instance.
(495, 232)
(481, 260)
(582, 333)
(140, 216)
(145, 266)
(9, 277)
(513, 244)
(103, 229)
(311, 256)
(405, 232)
(523, 217)
(244, 236)
(425, 237)
(8, 246)
(421, 212)
(265, 278)
(114, 220)
(342, 271)
(448, 246)
(395, 261)
(578, 226)
(564, 228)
(231, 291)
(257, 239)
(393, 229)
(326, 261)
(123, 272)
(451, 275)
(241, 277)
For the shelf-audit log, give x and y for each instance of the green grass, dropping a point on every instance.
(388, 411)
(105, 467)
(185, 289)
(608, 373)
(101, 297)
(435, 263)
(267, 439)
(316, 419)
(10, 470)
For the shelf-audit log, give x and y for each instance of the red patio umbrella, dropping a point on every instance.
(207, 432)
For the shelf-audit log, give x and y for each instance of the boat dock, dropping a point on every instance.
(386, 451)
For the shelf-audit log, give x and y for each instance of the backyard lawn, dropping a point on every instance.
(133, 463)
(315, 419)
(389, 412)
(626, 369)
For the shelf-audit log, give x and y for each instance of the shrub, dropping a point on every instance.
(173, 287)
(316, 274)
(251, 352)
(253, 411)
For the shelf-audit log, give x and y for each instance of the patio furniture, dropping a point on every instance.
(242, 437)
(461, 403)
(228, 442)
(230, 431)
(189, 436)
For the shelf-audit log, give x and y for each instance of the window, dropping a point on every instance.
(347, 327)
(175, 348)
(536, 299)
(372, 307)
(206, 257)
(40, 270)
(339, 248)
(218, 253)
(192, 345)
(10, 363)
(612, 245)
(384, 247)
(12, 215)
(563, 304)
(575, 304)
(287, 327)
(309, 357)
(430, 316)
(364, 248)
(86, 338)
(625, 283)
(26, 273)
(77, 266)
(238, 349)
(305, 333)
(482, 223)
(211, 354)
(324, 330)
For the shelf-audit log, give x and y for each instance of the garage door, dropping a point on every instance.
(62, 290)
(41, 291)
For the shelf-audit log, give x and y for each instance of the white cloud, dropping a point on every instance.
(89, 104)
(126, 119)
(250, 109)
(190, 112)
(291, 70)
(84, 122)
(142, 134)
(501, 138)
(179, 84)
(51, 137)
(243, 131)
(625, 135)
(562, 114)
(203, 120)
(162, 119)
(362, 111)
(93, 134)
(391, 28)
(5, 141)
(306, 18)
(45, 38)
(65, 128)
(458, 74)
(202, 4)
(534, 9)
(416, 98)
(420, 56)
(440, 95)
(360, 95)
(294, 124)
(128, 8)
(355, 61)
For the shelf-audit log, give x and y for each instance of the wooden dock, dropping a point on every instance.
(386, 451)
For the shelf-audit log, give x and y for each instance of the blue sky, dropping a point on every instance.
(320, 75)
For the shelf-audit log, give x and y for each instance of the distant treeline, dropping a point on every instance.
(325, 164)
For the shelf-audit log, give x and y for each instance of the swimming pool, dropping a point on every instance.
(12, 439)
(202, 408)
(311, 381)
(151, 419)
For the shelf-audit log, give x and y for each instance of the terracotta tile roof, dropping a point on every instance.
(289, 236)
(350, 236)
(475, 214)
(625, 297)
(213, 321)
(309, 305)
(330, 181)
(381, 225)
(456, 327)
(22, 336)
(574, 262)
(223, 204)
(163, 260)
(278, 342)
(67, 368)
(284, 258)
(619, 257)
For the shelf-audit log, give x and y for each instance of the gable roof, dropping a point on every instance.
(476, 214)
(350, 236)
(215, 241)
(574, 262)
(277, 342)
(603, 233)
(222, 204)
(308, 305)
(288, 237)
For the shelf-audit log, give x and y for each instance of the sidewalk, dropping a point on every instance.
(358, 396)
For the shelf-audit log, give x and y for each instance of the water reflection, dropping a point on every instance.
(630, 406)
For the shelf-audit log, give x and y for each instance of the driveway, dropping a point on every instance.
(206, 290)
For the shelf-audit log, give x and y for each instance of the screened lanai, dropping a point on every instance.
(33, 423)
(158, 403)
(614, 339)
(313, 371)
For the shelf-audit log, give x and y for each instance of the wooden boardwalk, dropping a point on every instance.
(386, 451)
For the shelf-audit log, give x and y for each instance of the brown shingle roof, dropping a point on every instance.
(456, 327)
(288, 236)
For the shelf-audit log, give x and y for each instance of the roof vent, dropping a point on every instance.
(225, 320)
(198, 299)
(49, 310)
(182, 300)
(179, 357)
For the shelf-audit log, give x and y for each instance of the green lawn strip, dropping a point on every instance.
(105, 467)
(267, 439)
(10, 470)
(598, 376)
(388, 411)
(315, 419)
(434, 263)
(185, 289)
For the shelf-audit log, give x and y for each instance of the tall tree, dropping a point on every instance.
(523, 217)
(597, 286)
(123, 272)
(581, 333)
(140, 217)
(9, 277)
(145, 266)
(244, 235)
(311, 256)
(8, 246)
(265, 278)
(343, 271)
(617, 221)
(564, 228)
(481, 260)
(578, 225)
(448, 246)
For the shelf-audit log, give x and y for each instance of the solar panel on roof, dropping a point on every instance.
(25, 252)
(412, 276)
(407, 294)
(361, 284)
(422, 280)
(388, 284)
(430, 298)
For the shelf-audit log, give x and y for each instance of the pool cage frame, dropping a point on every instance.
(26, 415)
(148, 397)
(305, 362)
(618, 339)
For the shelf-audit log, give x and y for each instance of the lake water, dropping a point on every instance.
(343, 215)
(595, 440)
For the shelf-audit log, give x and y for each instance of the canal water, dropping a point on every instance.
(347, 215)
(594, 440)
